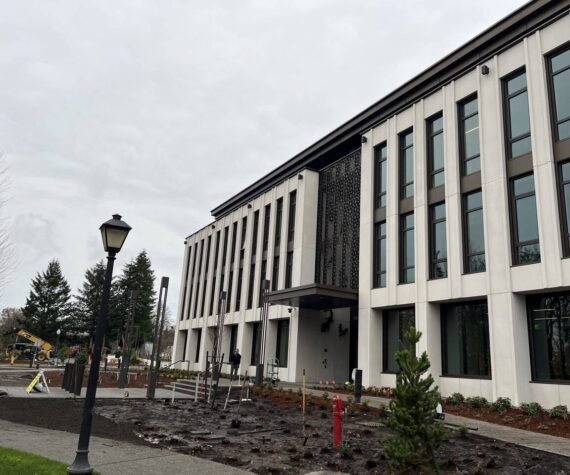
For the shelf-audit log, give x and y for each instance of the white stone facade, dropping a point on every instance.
(503, 285)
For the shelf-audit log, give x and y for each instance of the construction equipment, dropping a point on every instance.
(41, 348)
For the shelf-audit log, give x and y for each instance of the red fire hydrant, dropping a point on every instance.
(337, 422)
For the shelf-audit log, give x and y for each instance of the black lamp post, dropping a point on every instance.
(114, 232)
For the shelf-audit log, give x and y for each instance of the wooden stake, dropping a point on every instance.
(304, 399)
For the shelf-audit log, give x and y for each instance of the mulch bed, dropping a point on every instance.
(542, 423)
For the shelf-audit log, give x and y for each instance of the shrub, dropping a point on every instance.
(416, 434)
(63, 353)
(81, 357)
(350, 406)
(477, 401)
(559, 412)
(462, 430)
(325, 396)
(502, 404)
(531, 409)
(455, 399)
(365, 405)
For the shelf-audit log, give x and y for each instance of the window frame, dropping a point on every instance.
(554, 123)
(402, 185)
(515, 243)
(430, 135)
(433, 221)
(385, 316)
(378, 272)
(461, 128)
(465, 212)
(378, 162)
(506, 98)
(402, 232)
(444, 355)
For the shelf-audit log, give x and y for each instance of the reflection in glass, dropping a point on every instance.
(527, 249)
(438, 242)
(395, 325)
(560, 81)
(474, 233)
(466, 339)
(549, 321)
(407, 254)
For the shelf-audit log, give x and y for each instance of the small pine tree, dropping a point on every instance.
(416, 434)
(48, 306)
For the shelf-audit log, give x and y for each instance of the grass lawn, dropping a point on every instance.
(16, 462)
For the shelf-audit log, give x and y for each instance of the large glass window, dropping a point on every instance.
(380, 254)
(474, 235)
(395, 325)
(526, 249)
(282, 349)
(517, 120)
(436, 175)
(277, 245)
(549, 328)
(466, 339)
(406, 164)
(198, 343)
(469, 136)
(380, 175)
(407, 251)
(560, 91)
(438, 242)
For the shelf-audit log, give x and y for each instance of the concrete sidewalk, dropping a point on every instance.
(109, 457)
(525, 438)
(102, 393)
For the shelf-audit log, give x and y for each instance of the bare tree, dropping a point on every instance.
(6, 263)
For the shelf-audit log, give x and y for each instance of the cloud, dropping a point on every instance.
(162, 110)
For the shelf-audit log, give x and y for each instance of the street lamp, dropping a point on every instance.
(113, 232)
(58, 332)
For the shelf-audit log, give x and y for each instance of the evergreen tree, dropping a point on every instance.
(88, 301)
(48, 305)
(416, 434)
(136, 275)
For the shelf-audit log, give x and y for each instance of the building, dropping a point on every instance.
(445, 205)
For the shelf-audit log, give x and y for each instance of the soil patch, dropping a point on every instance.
(269, 436)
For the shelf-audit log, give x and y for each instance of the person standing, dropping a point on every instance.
(235, 360)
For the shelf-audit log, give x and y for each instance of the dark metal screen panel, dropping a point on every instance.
(338, 223)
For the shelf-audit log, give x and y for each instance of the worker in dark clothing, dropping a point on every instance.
(235, 360)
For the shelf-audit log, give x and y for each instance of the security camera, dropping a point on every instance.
(290, 310)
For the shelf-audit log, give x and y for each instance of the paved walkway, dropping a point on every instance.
(534, 440)
(109, 457)
(102, 393)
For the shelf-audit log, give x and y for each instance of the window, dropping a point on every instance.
(564, 173)
(232, 260)
(215, 271)
(253, 260)
(526, 249)
(277, 245)
(469, 136)
(282, 349)
(380, 254)
(559, 72)
(201, 253)
(240, 262)
(474, 235)
(549, 328)
(438, 242)
(292, 210)
(198, 343)
(435, 151)
(203, 304)
(517, 121)
(255, 342)
(465, 339)
(407, 252)
(406, 164)
(380, 175)
(266, 219)
(289, 270)
(395, 324)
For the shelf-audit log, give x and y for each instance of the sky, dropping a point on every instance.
(160, 111)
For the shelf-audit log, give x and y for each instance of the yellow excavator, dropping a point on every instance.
(41, 348)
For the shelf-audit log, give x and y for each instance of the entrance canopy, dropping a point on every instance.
(315, 296)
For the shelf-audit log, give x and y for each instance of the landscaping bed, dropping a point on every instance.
(269, 438)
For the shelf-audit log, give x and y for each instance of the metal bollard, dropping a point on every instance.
(173, 390)
(337, 422)
(357, 385)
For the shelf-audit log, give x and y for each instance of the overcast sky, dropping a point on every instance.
(161, 110)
